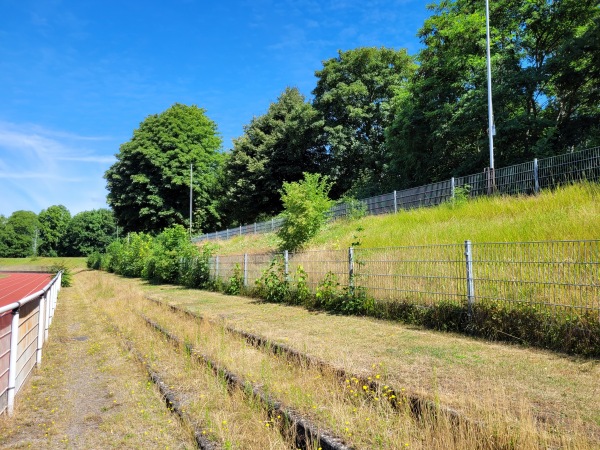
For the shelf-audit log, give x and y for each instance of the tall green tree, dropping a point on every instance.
(89, 232)
(544, 87)
(149, 185)
(353, 94)
(54, 222)
(276, 147)
(18, 235)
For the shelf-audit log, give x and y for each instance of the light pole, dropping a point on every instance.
(191, 193)
(491, 127)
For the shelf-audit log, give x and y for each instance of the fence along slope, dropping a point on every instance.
(560, 277)
(526, 178)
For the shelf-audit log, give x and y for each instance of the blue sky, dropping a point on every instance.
(77, 77)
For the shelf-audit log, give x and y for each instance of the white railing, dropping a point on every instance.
(23, 330)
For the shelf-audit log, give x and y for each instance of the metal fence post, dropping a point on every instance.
(536, 180)
(12, 364)
(470, 284)
(254, 227)
(216, 267)
(286, 262)
(240, 230)
(245, 269)
(351, 270)
(272, 226)
(452, 187)
(395, 203)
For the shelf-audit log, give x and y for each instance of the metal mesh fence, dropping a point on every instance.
(422, 274)
(563, 169)
(317, 264)
(550, 275)
(525, 178)
(556, 276)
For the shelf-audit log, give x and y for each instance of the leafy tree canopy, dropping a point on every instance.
(149, 185)
(545, 87)
(276, 147)
(18, 234)
(353, 94)
(89, 232)
(54, 223)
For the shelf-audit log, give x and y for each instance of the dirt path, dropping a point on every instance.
(89, 393)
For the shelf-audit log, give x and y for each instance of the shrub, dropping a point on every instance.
(305, 204)
(66, 279)
(168, 249)
(94, 261)
(273, 285)
(355, 209)
(236, 282)
(301, 294)
(194, 271)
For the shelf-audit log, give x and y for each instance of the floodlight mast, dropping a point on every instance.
(191, 192)
(491, 128)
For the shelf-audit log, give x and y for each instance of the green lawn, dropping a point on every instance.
(567, 213)
(40, 263)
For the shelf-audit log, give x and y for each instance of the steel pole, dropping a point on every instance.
(491, 130)
(191, 193)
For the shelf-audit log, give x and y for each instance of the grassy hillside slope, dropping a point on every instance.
(568, 213)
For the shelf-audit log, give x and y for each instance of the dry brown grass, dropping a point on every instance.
(364, 420)
(549, 393)
(224, 415)
(514, 397)
(88, 393)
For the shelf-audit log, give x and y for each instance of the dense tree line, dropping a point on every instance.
(53, 232)
(380, 119)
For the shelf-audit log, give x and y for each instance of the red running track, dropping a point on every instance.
(15, 286)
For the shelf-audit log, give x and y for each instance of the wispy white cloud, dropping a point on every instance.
(40, 167)
(89, 159)
(40, 176)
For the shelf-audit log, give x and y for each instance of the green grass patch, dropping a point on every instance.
(569, 212)
(41, 262)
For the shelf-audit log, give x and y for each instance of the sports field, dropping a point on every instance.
(16, 285)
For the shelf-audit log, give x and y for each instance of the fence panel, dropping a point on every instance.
(423, 196)
(564, 169)
(228, 264)
(381, 204)
(257, 264)
(421, 274)
(317, 264)
(27, 345)
(556, 276)
(476, 184)
(561, 277)
(5, 333)
(517, 179)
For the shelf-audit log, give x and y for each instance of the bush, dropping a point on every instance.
(305, 204)
(355, 209)
(94, 261)
(273, 285)
(168, 250)
(194, 272)
(66, 279)
(236, 282)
